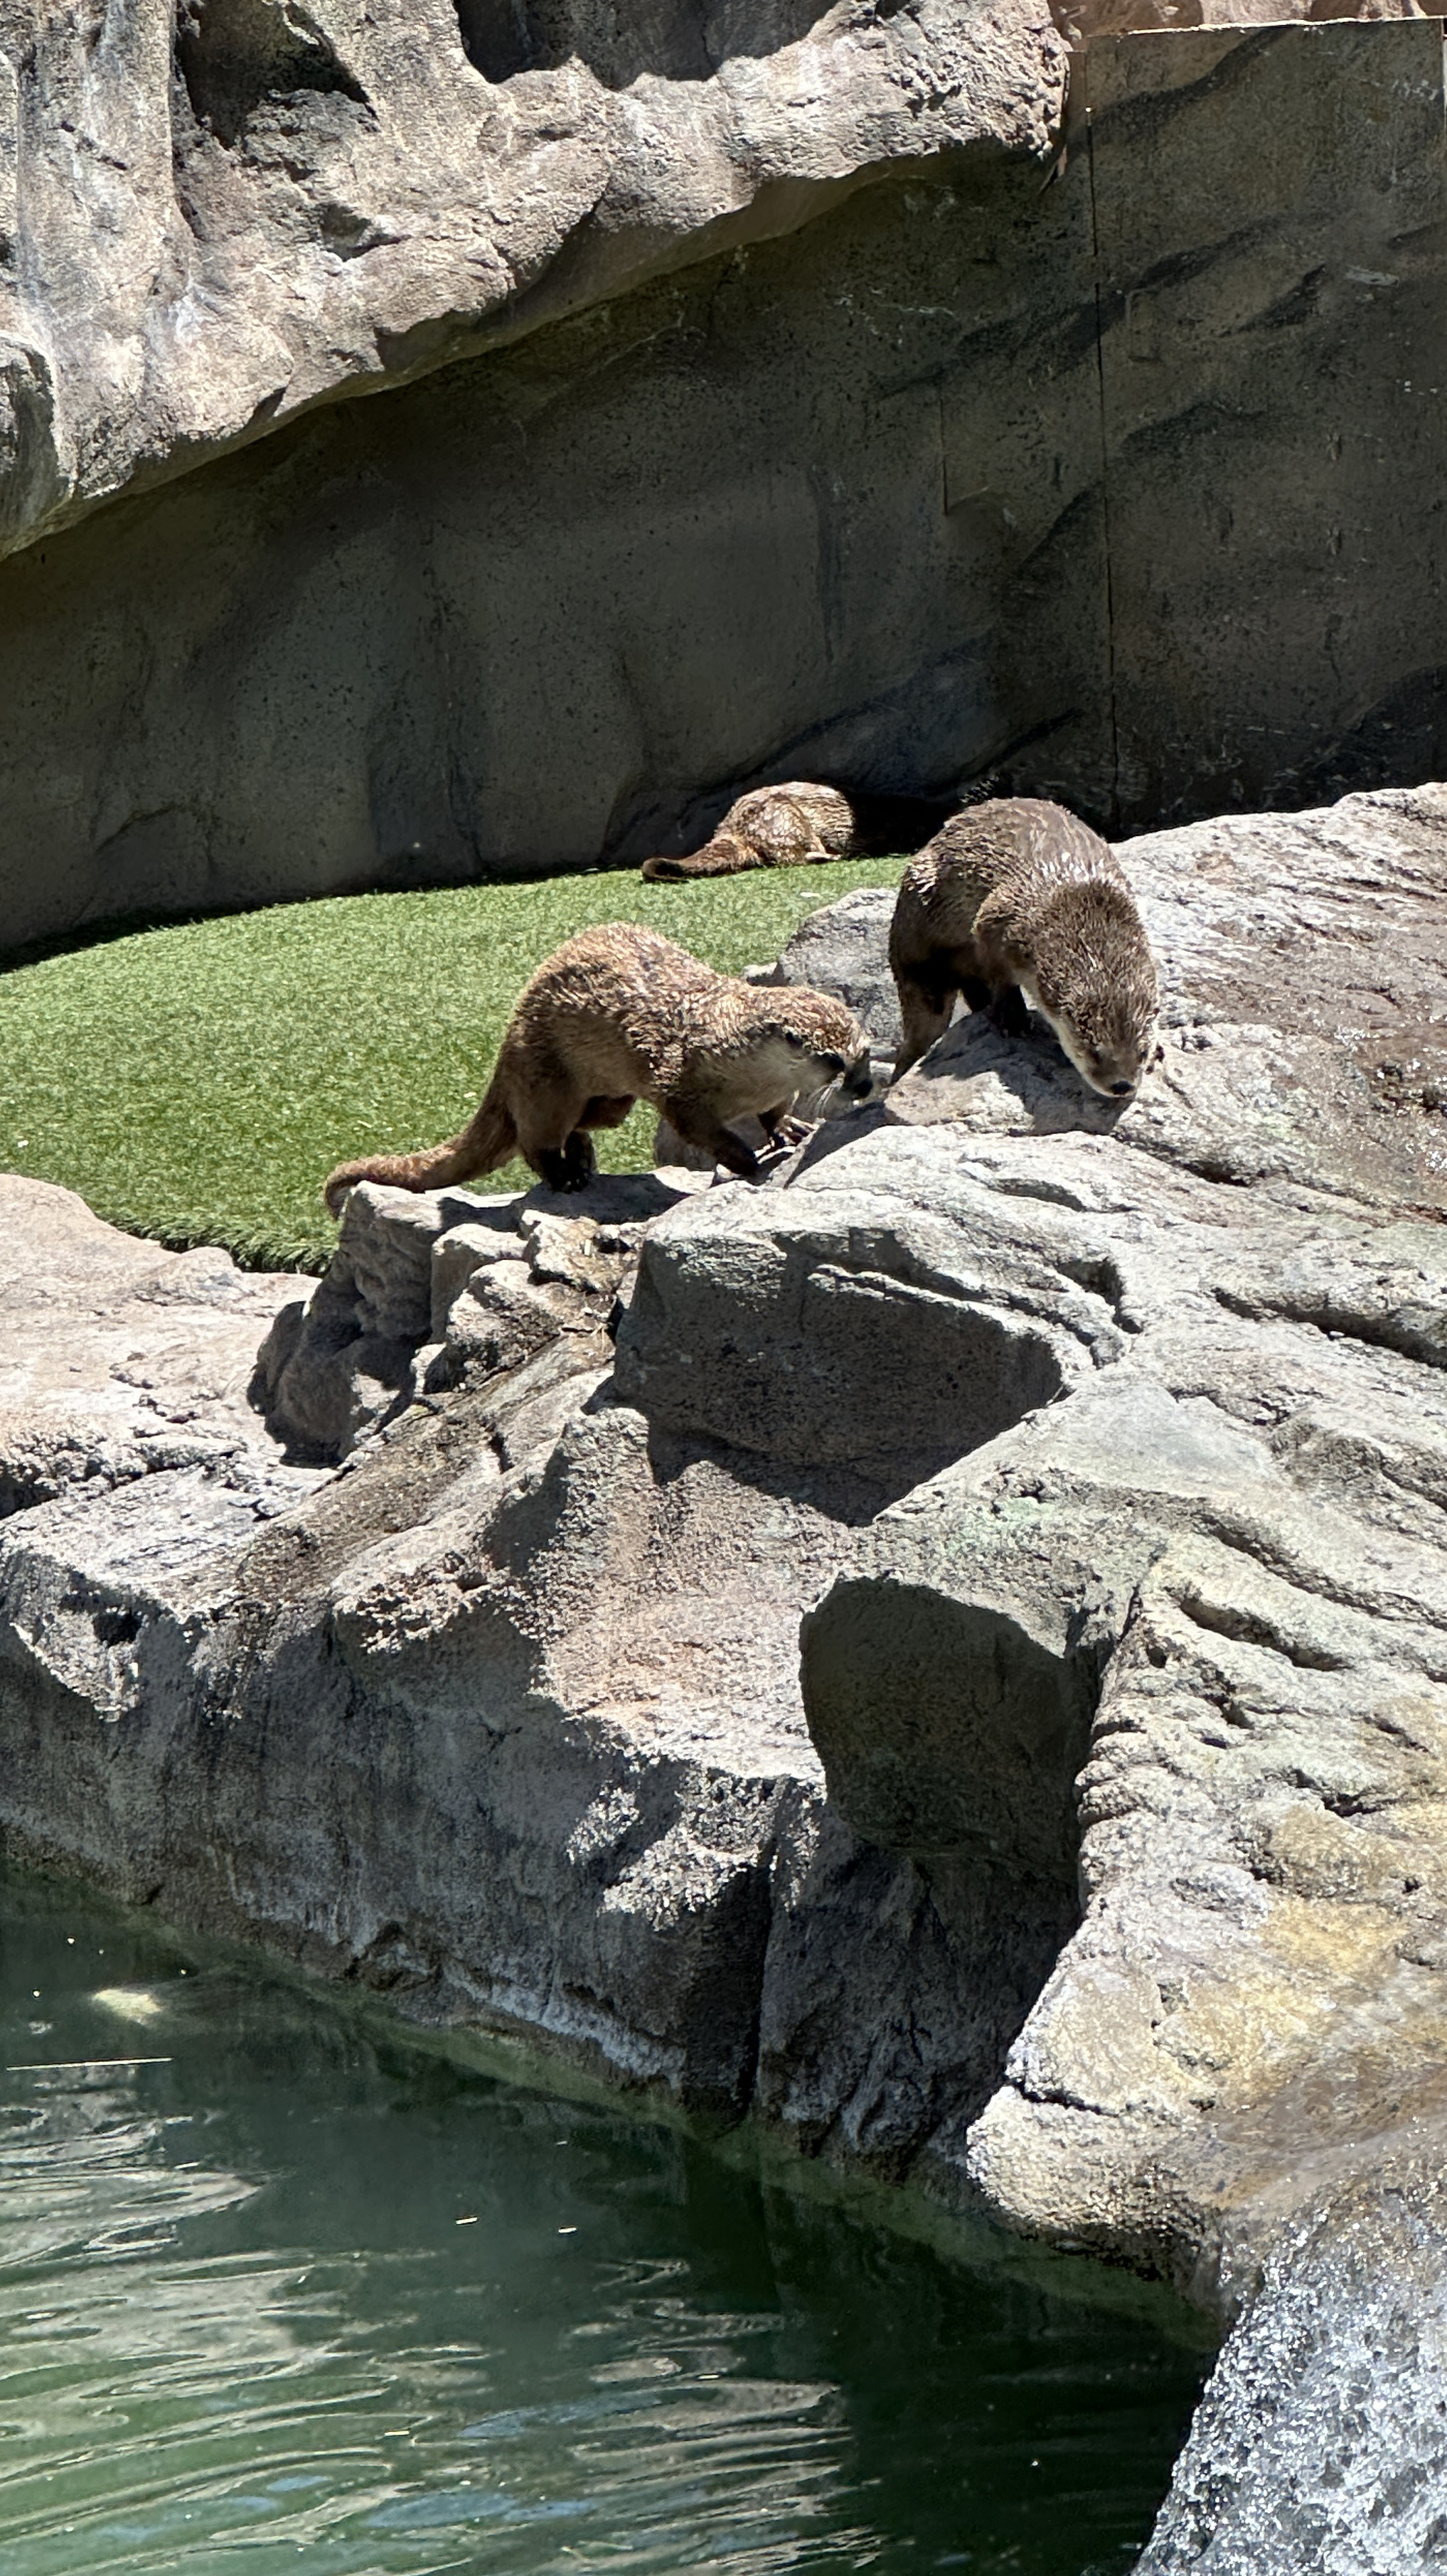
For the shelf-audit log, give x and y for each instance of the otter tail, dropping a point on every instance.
(724, 856)
(489, 1141)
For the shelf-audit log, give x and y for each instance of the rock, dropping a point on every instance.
(962, 1678)
(422, 1286)
(498, 1321)
(342, 1365)
(1239, 1632)
(460, 1253)
(1279, 939)
(121, 1358)
(211, 236)
(1319, 2444)
(1086, 18)
(826, 1324)
(766, 533)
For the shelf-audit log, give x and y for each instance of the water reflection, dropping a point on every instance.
(272, 2292)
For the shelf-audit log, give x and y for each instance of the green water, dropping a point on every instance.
(275, 2293)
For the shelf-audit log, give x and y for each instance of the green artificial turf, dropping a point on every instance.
(197, 1083)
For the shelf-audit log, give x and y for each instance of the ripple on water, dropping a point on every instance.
(273, 2291)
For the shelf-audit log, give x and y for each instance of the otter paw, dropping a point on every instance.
(791, 1132)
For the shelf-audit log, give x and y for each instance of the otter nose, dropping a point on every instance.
(1121, 1090)
(859, 1080)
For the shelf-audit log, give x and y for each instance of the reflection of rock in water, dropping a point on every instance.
(624, 2350)
(85, 2171)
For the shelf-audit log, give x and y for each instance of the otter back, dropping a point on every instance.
(1017, 897)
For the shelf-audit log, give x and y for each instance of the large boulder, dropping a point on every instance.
(224, 213)
(1320, 2444)
(835, 1322)
(1303, 959)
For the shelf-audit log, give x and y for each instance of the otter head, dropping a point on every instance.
(1094, 979)
(822, 1040)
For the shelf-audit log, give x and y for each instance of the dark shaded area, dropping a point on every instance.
(945, 1872)
(830, 1367)
(623, 39)
(834, 506)
(898, 1987)
(236, 56)
(509, 621)
(1400, 742)
(1273, 293)
(944, 1727)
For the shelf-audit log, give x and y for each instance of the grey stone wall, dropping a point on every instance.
(1127, 489)
(1269, 209)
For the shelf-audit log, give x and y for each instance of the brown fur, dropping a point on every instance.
(797, 826)
(619, 1014)
(1017, 896)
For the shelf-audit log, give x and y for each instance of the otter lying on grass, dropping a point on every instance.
(797, 826)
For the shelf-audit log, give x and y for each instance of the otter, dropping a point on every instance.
(797, 826)
(619, 1014)
(1017, 902)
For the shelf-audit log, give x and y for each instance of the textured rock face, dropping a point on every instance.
(951, 1660)
(121, 1359)
(927, 490)
(833, 1324)
(1303, 964)
(1320, 2443)
(423, 1289)
(218, 218)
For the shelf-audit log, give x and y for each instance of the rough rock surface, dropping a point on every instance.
(1321, 2443)
(122, 1359)
(923, 490)
(1089, 1862)
(219, 214)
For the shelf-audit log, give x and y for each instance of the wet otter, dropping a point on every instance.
(619, 1014)
(1017, 898)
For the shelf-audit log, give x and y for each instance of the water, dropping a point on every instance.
(277, 2293)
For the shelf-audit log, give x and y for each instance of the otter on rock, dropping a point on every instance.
(619, 1014)
(797, 826)
(1015, 897)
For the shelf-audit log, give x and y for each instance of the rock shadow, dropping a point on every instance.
(846, 1494)
(849, 1367)
(236, 57)
(945, 1872)
(622, 40)
(1012, 1085)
